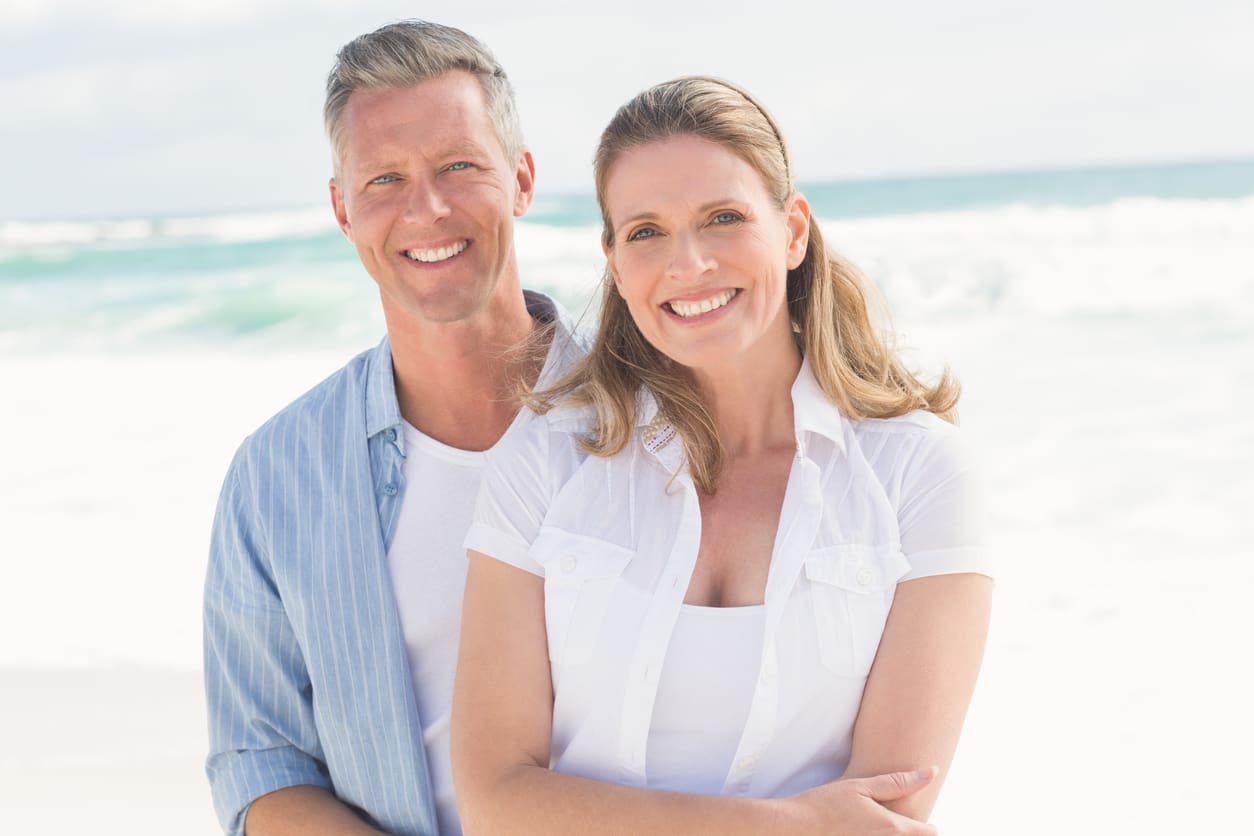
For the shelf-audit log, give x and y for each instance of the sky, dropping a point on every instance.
(141, 108)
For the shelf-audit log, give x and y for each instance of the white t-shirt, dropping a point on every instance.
(868, 504)
(428, 565)
(704, 690)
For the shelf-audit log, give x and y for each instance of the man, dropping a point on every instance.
(333, 596)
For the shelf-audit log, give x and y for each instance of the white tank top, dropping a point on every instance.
(703, 697)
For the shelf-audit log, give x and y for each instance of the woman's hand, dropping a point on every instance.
(855, 806)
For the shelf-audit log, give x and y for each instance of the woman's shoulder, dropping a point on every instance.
(914, 424)
(543, 445)
(918, 441)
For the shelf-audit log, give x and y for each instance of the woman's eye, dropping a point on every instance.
(642, 233)
(727, 217)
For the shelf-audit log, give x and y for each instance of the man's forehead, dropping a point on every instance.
(449, 115)
(450, 94)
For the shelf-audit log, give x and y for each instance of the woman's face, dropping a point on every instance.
(701, 252)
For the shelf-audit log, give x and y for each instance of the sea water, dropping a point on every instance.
(1101, 321)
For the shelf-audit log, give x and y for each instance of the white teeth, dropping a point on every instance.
(441, 254)
(706, 305)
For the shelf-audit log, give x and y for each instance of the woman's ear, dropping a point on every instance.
(797, 219)
(609, 259)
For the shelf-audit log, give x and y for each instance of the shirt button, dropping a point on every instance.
(864, 577)
(390, 489)
(391, 434)
(569, 562)
(748, 763)
(765, 678)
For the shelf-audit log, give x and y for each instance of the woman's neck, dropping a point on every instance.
(751, 400)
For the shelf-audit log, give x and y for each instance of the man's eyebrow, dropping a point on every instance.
(465, 146)
(380, 164)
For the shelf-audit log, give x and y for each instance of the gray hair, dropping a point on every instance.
(410, 52)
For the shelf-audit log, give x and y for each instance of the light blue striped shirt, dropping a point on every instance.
(306, 672)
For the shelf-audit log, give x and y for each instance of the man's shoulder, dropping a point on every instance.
(328, 411)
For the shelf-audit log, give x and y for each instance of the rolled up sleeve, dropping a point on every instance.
(262, 735)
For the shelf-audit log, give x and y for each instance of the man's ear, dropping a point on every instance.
(338, 207)
(797, 219)
(525, 179)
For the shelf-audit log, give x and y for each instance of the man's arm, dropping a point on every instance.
(502, 722)
(262, 738)
(303, 811)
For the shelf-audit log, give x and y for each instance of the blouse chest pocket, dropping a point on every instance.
(851, 589)
(580, 576)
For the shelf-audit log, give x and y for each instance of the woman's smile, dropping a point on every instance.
(694, 309)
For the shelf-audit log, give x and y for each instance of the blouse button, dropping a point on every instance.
(864, 577)
(748, 763)
(569, 562)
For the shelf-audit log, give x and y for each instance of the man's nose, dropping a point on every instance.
(425, 201)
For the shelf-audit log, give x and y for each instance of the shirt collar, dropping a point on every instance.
(813, 411)
(383, 412)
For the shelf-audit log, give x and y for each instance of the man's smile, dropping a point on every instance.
(437, 254)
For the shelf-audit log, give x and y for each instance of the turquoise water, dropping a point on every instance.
(946, 192)
(1061, 241)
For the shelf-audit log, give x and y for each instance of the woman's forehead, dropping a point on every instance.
(679, 171)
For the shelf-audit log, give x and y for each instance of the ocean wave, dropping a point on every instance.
(223, 228)
(1136, 257)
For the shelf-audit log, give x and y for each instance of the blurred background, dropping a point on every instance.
(1055, 199)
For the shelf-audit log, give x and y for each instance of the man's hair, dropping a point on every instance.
(856, 366)
(410, 52)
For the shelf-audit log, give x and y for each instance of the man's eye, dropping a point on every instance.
(642, 233)
(460, 165)
(383, 178)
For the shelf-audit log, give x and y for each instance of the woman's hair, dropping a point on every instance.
(827, 297)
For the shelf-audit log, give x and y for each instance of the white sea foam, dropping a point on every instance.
(1130, 258)
(1133, 256)
(17, 235)
(252, 226)
(225, 228)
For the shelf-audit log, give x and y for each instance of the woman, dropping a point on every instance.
(749, 563)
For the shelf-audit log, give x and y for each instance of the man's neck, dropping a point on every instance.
(458, 382)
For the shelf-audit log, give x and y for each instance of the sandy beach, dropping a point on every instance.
(104, 751)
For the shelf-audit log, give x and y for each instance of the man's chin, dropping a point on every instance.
(440, 306)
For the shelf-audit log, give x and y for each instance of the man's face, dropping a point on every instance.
(428, 197)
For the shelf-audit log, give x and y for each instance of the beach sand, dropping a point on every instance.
(103, 751)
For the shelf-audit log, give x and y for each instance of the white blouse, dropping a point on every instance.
(869, 504)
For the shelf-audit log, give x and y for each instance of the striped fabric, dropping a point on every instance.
(306, 673)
